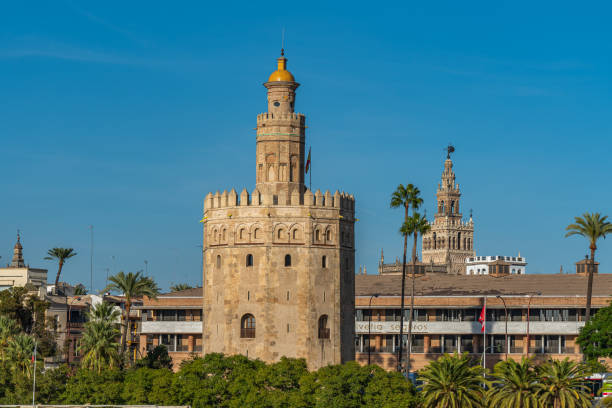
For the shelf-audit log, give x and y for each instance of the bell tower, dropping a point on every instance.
(450, 239)
(280, 136)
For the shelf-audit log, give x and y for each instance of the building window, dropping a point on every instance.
(256, 233)
(247, 326)
(328, 235)
(218, 261)
(317, 235)
(249, 260)
(323, 329)
(323, 261)
(287, 260)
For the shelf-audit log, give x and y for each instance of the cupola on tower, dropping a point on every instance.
(279, 261)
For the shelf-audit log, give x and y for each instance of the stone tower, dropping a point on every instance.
(450, 239)
(279, 271)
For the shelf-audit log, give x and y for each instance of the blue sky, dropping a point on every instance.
(123, 115)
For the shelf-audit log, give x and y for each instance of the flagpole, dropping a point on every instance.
(484, 351)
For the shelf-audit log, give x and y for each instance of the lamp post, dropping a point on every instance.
(370, 326)
(506, 338)
(529, 317)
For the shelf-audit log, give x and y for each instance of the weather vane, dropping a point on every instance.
(449, 149)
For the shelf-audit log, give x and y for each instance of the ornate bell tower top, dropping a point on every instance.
(280, 136)
(448, 193)
(18, 261)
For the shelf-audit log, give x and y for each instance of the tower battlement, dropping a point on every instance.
(227, 200)
(265, 118)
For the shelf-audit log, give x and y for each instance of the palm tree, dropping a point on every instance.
(131, 285)
(563, 386)
(8, 330)
(104, 312)
(406, 197)
(180, 286)
(515, 385)
(20, 350)
(450, 382)
(415, 225)
(62, 255)
(592, 226)
(99, 345)
(80, 290)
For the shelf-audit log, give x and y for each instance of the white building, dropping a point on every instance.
(480, 265)
(18, 273)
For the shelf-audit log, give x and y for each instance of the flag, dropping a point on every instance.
(483, 318)
(308, 161)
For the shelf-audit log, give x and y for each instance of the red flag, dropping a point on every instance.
(308, 161)
(483, 318)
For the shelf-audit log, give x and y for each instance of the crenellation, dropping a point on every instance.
(232, 198)
(244, 197)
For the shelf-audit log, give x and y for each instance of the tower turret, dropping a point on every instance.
(450, 239)
(280, 136)
(18, 261)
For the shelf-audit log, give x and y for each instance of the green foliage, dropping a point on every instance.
(156, 358)
(148, 386)
(91, 387)
(80, 290)
(451, 382)
(595, 337)
(515, 385)
(20, 351)
(606, 403)
(351, 385)
(180, 286)
(99, 344)
(8, 330)
(563, 385)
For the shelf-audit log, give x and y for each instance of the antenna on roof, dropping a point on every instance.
(283, 42)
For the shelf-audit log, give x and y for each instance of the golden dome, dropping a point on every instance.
(281, 74)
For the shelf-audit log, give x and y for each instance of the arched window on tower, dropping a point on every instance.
(323, 261)
(435, 241)
(441, 209)
(287, 260)
(249, 260)
(459, 241)
(454, 243)
(247, 326)
(317, 235)
(323, 329)
(328, 235)
(452, 207)
(218, 261)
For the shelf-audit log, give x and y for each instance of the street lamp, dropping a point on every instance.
(370, 326)
(529, 318)
(506, 311)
